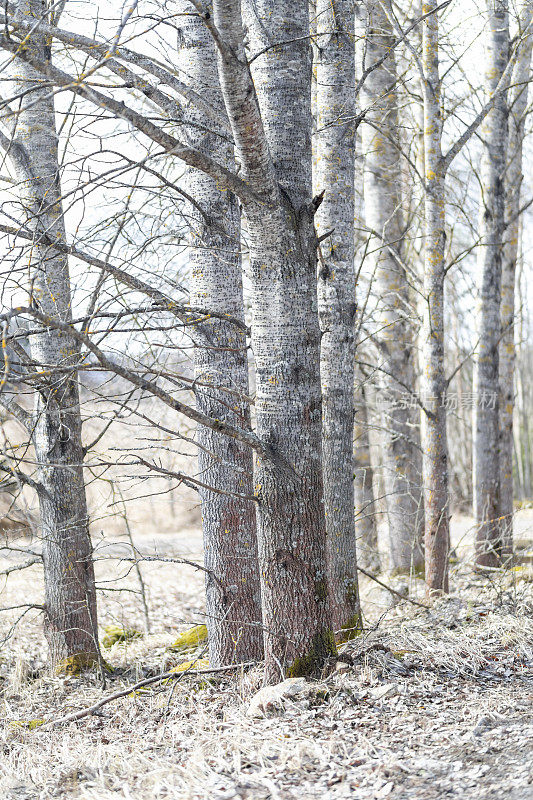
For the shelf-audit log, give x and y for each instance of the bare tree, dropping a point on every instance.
(486, 466)
(517, 104)
(433, 383)
(335, 175)
(55, 425)
(365, 509)
(394, 335)
(286, 334)
(523, 444)
(221, 372)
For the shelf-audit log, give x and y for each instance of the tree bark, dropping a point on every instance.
(433, 382)
(394, 334)
(233, 595)
(269, 128)
(335, 174)
(486, 462)
(365, 510)
(70, 599)
(518, 98)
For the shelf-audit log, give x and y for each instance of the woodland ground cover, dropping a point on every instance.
(435, 703)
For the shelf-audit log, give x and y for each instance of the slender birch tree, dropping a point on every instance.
(221, 370)
(433, 380)
(486, 462)
(394, 336)
(365, 510)
(518, 100)
(335, 176)
(55, 425)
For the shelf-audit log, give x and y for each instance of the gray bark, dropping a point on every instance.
(518, 98)
(486, 462)
(365, 510)
(394, 335)
(269, 128)
(335, 174)
(433, 381)
(70, 602)
(233, 596)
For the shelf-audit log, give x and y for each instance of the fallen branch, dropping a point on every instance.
(171, 675)
(392, 591)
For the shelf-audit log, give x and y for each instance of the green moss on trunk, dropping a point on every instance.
(81, 662)
(322, 648)
(351, 629)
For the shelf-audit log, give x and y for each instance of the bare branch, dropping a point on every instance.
(17, 568)
(501, 88)
(191, 156)
(177, 309)
(171, 675)
(244, 436)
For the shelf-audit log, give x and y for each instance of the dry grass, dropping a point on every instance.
(468, 657)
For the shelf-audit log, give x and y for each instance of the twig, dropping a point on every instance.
(137, 566)
(23, 565)
(392, 591)
(171, 675)
(165, 559)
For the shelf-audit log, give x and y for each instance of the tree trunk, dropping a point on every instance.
(518, 96)
(365, 511)
(286, 334)
(394, 335)
(335, 173)
(486, 462)
(233, 593)
(523, 439)
(433, 383)
(70, 600)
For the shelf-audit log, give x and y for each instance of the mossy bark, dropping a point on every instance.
(312, 662)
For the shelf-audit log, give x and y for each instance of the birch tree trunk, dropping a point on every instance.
(272, 132)
(233, 596)
(335, 174)
(433, 381)
(365, 510)
(522, 432)
(518, 97)
(394, 337)
(70, 600)
(486, 462)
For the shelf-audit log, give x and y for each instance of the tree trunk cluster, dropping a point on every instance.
(318, 250)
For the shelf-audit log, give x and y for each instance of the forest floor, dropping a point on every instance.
(437, 703)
